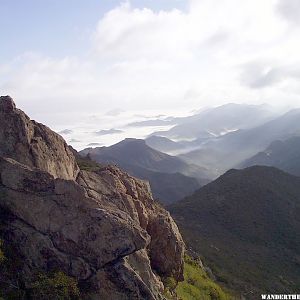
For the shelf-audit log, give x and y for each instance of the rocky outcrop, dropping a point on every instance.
(165, 251)
(102, 227)
(166, 246)
(34, 144)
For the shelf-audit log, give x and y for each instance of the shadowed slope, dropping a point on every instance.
(246, 225)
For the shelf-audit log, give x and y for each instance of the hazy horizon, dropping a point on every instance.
(149, 54)
(68, 63)
(114, 126)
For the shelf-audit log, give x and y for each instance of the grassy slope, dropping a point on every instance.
(196, 285)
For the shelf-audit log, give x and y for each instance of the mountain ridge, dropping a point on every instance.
(141, 160)
(233, 148)
(284, 155)
(246, 226)
(214, 121)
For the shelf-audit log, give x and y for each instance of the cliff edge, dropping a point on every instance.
(103, 228)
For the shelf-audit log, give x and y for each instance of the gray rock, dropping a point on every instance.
(103, 227)
(34, 144)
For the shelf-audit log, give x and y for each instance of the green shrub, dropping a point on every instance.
(59, 286)
(170, 283)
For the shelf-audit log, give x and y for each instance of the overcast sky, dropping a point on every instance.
(61, 57)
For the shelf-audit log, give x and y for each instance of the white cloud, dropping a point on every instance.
(215, 52)
(262, 74)
(126, 33)
(290, 10)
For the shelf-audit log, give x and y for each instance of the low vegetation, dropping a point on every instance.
(56, 286)
(196, 285)
(45, 286)
(86, 164)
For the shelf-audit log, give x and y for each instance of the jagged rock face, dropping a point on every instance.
(165, 248)
(34, 144)
(166, 245)
(132, 273)
(103, 228)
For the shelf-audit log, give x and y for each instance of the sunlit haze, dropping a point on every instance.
(69, 64)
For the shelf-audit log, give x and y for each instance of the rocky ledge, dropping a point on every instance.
(103, 228)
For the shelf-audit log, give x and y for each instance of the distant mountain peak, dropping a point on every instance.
(132, 143)
(170, 177)
(282, 154)
(134, 140)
